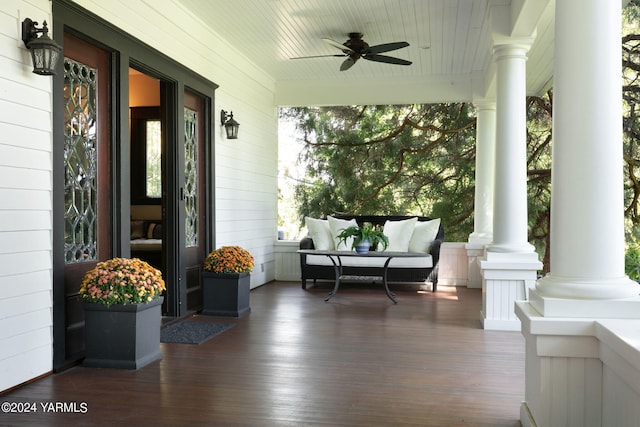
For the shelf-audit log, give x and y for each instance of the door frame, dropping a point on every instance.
(126, 50)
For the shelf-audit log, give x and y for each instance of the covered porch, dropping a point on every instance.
(579, 361)
(580, 321)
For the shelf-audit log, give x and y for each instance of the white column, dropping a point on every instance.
(510, 266)
(485, 166)
(483, 204)
(587, 217)
(510, 222)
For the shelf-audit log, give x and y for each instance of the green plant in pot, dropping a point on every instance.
(364, 237)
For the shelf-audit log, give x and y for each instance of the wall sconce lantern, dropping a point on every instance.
(44, 51)
(231, 126)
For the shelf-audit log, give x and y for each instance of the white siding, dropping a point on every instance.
(25, 203)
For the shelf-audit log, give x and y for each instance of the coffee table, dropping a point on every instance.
(336, 259)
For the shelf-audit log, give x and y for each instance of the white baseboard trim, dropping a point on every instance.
(499, 324)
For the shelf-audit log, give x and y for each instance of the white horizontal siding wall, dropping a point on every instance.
(246, 168)
(26, 343)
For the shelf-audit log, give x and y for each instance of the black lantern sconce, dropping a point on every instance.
(230, 125)
(44, 51)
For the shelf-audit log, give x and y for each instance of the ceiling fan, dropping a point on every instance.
(356, 48)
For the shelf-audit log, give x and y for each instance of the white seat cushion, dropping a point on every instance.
(146, 245)
(356, 261)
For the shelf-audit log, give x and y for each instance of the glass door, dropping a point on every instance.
(193, 194)
(87, 204)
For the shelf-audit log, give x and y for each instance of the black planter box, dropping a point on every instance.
(226, 294)
(124, 336)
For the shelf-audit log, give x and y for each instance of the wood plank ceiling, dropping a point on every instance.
(448, 38)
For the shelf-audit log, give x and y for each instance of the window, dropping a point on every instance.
(146, 155)
(154, 159)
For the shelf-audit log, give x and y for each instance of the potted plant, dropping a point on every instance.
(226, 282)
(122, 305)
(364, 237)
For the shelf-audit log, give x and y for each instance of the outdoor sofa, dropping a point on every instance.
(405, 233)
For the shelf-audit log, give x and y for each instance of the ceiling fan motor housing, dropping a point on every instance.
(356, 44)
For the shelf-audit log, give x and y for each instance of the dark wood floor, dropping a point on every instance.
(357, 360)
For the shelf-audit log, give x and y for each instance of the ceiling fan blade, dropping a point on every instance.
(386, 47)
(338, 45)
(387, 59)
(348, 63)
(318, 56)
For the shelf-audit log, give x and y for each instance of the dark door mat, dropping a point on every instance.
(192, 331)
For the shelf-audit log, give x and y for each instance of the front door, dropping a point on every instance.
(91, 168)
(87, 206)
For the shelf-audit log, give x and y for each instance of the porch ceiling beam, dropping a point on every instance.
(525, 16)
(377, 92)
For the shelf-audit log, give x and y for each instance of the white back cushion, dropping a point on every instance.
(320, 233)
(424, 233)
(336, 226)
(399, 234)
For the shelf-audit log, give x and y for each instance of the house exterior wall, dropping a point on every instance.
(246, 168)
(26, 343)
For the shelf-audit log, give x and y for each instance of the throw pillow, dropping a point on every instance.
(320, 233)
(424, 233)
(154, 231)
(336, 226)
(137, 230)
(399, 234)
(157, 232)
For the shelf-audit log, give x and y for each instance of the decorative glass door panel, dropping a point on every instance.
(81, 162)
(191, 177)
(193, 196)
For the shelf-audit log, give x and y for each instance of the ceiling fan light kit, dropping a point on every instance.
(356, 48)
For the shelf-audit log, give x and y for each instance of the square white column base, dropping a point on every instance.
(475, 251)
(564, 307)
(506, 278)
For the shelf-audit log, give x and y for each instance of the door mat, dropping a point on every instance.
(192, 331)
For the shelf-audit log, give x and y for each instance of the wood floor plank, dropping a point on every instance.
(357, 360)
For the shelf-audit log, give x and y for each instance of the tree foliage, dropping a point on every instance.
(399, 159)
(420, 159)
(631, 114)
(539, 118)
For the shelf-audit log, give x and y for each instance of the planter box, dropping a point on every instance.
(125, 336)
(226, 294)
